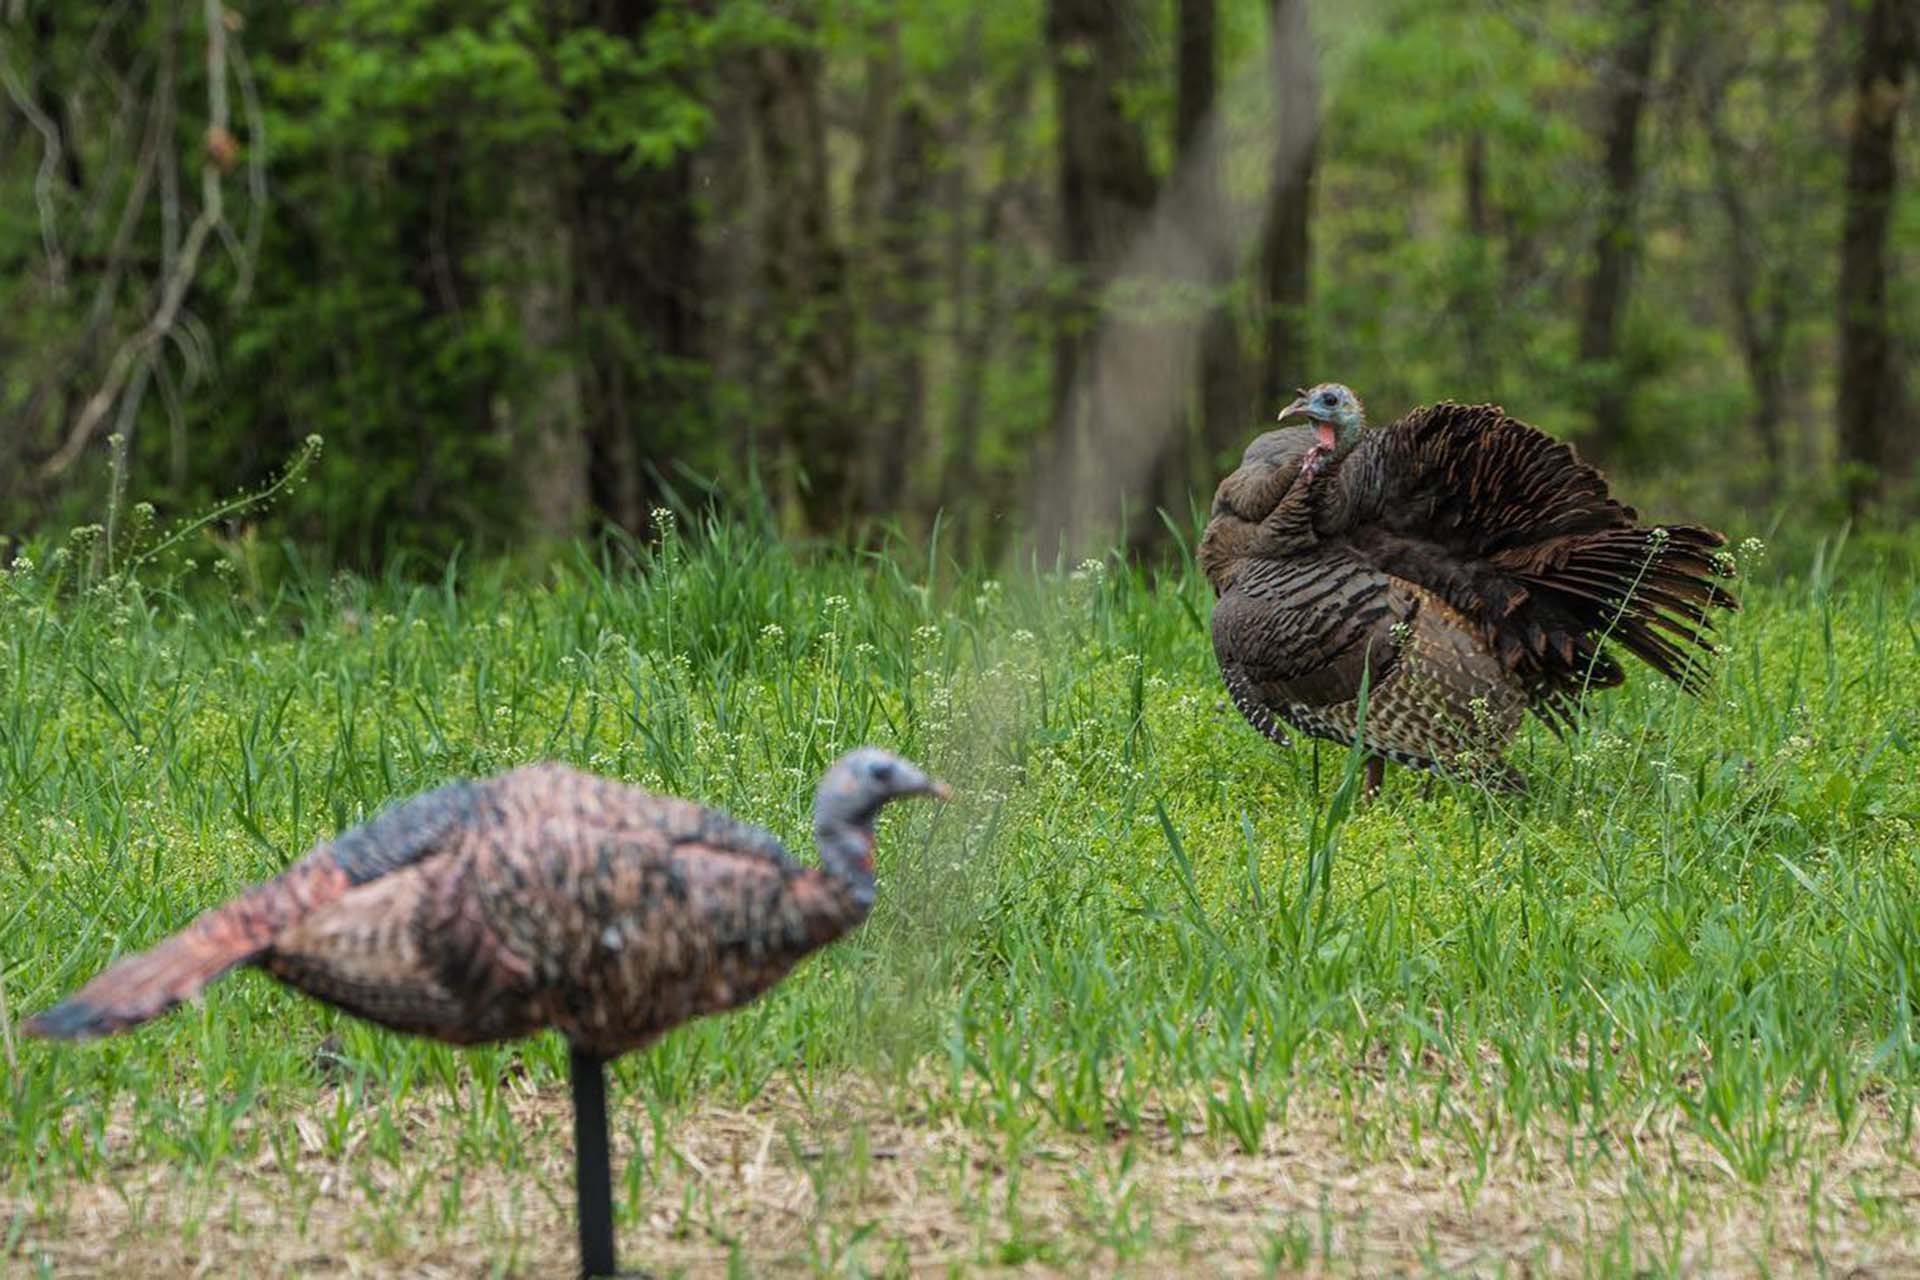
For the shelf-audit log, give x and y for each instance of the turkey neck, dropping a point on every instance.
(846, 855)
(1335, 507)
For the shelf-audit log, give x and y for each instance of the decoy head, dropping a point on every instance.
(851, 796)
(1335, 413)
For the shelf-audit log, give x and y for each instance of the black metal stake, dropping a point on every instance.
(593, 1175)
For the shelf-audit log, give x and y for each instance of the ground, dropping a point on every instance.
(865, 1184)
(1150, 995)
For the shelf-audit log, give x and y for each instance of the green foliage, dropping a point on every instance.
(1137, 919)
(425, 168)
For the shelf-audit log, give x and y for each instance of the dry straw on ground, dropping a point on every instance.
(863, 1184)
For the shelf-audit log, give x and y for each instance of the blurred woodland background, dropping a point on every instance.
(531, 266)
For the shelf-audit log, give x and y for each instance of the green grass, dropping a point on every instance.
(1680, 978)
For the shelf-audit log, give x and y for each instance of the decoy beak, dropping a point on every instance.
(939, 790)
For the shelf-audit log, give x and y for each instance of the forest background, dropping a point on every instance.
(531, 268)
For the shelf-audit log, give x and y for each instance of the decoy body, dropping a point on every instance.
(541, 898)
(1460, 566)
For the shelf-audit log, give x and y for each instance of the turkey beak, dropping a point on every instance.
(939, 790)
(1297, 409)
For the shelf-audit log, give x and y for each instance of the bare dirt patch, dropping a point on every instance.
(861, 1184)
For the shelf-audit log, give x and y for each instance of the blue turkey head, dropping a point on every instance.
(1334, 410)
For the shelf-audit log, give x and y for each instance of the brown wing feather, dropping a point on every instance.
(640, 928)
(1512, 529)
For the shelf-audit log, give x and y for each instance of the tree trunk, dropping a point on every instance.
(548, 435)
(807, 343)
(435, 236)
(901, 303)
(1106, 189)
(1757, 286)
(734, 278)
(1870, 442)
(1475, 170)
(1629, 74)
(1476, 299)
(636, 269)
(1285, 237)
(1224, 400)
(982, 323)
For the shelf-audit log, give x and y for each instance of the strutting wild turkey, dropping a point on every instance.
(540, 898)
(1461, 565)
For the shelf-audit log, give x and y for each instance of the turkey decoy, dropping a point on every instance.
(544, 897)
(1458, 564)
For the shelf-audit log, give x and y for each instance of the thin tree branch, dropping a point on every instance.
(49, 165)
(166, 107)
(249, 252)
(116, 262)
(133, 355)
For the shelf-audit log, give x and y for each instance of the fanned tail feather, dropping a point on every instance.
(1518, 533)
(1650, 593)
(144, 986)
(138, 988)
